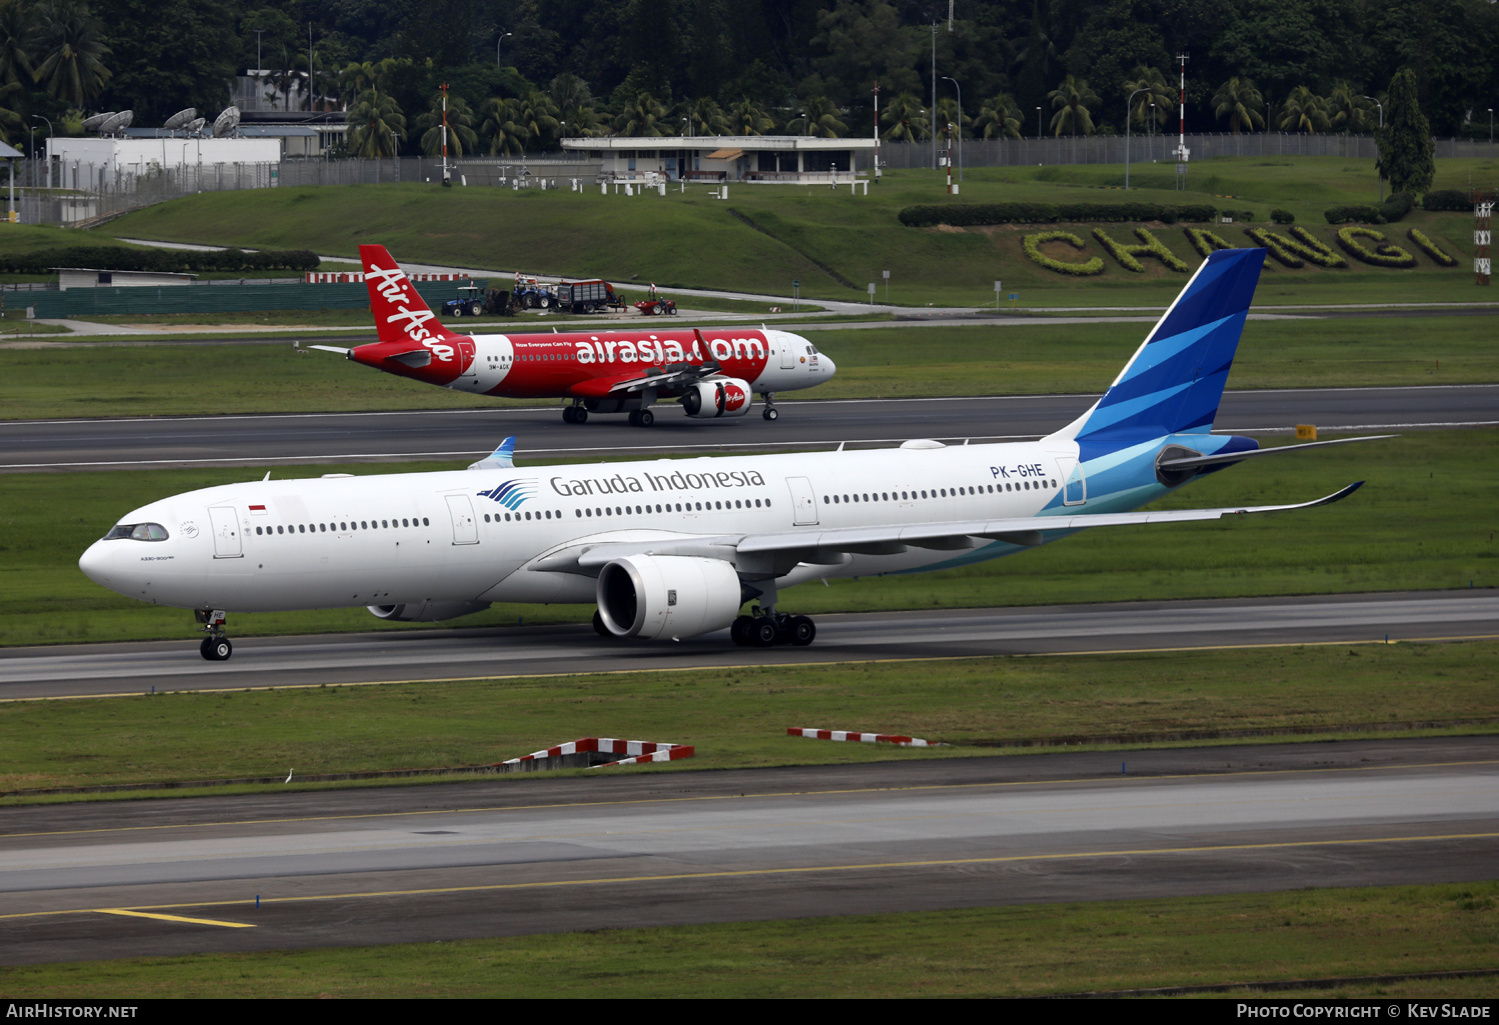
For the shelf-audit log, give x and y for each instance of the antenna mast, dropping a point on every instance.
(1181, 144)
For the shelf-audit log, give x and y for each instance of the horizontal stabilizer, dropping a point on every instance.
(1193, 462)
(412, 357)
(333, 348)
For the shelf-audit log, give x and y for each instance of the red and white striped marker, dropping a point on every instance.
(862, 738)
(636, 750)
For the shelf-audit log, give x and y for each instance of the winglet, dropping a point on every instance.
(502, 458)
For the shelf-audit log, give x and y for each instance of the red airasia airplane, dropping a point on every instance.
(710, 374)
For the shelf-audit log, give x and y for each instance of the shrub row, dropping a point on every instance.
(1046, 213)
(1384, 254)
(1358, 213)
(1126, 254)
(181, 261)
(1205, 241)
(1032, 246)
(1447, 199)
(1282, 216)
(1430, 248)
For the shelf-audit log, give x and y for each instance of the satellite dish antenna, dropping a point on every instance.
(195, 126)
(180, 119)
(226, 122)
(91, 124)
(117, 122)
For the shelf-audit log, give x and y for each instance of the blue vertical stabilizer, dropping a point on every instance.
(1175, 381)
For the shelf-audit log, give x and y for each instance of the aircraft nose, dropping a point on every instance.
(829, 368)
(97, 564)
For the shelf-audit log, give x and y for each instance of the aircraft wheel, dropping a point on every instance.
(569, 414)
(802, 631)
(216, 649)
(762, 632)
(646, 418)
(771, 413)
(739, 631)
(580, 415)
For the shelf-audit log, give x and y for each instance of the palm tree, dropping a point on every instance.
(907, 120)
(461, 135)
(948, 113)
(819, 118)
(1071, 99)
(537, 116)
(747, 118)
(1304, 109)
(498, 125)
(643, 116)
(72, 50)
(374, 123)
(998, 118)
(1347, 111)
(17, 37)
(705, 117)
(1156, 90)
(1240, 102)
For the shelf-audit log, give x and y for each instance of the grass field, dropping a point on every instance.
(1021, 951)
(1035, 359)
(737, 718)
(833, 242)
(1420, 522)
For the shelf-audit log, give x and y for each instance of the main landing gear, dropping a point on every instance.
(769, 412)
(215, 647)
(574, 415)
(765, 629)
(642, 418)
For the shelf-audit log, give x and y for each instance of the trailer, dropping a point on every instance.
(587, 297)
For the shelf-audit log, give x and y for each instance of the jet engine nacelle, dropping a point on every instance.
(426, 611)
(653, 596)
(717, 396)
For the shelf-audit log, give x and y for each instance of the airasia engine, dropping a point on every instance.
(717, 396)
(674, 596)
(426, 611)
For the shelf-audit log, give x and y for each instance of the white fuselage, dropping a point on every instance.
(485, 535)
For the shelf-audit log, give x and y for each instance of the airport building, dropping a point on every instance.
(793, 159)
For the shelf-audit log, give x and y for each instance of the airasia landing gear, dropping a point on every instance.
(766, 629)
(642, 418)
(770, 412)
(215, 647)
(574, 415)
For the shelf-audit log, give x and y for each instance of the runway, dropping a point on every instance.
(375, 657)
(526, 855)
(469, 434)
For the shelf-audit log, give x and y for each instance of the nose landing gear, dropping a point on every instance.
(769, 412)
(215, 647)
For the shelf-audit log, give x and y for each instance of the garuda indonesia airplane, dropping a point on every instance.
(674, 548)
(711, 375)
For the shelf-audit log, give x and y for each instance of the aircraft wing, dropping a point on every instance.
(783, 549)
(670, 378)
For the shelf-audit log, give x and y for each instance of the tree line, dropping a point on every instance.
(525, 74)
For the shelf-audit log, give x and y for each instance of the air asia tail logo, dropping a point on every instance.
(513, 493)
(391, 285)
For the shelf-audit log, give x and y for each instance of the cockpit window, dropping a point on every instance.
(138, 532)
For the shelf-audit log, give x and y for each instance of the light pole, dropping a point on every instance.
(959, 88)
(395, 152)
(1381, 125)
(1491, 135)
(497, 43)
(35, 117)
(1038, 122)
(1127, 121)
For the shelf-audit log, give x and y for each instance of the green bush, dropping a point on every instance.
(1384, 254)
(1447, 199)
(1282, 217)
(1430, 248)
(1397, 206)
(1205, 241)
(175, 261)
(1032, 246)
(960, 215)
(1355, 214)
(1126, 254)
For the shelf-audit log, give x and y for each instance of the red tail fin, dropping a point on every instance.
(401, 315)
